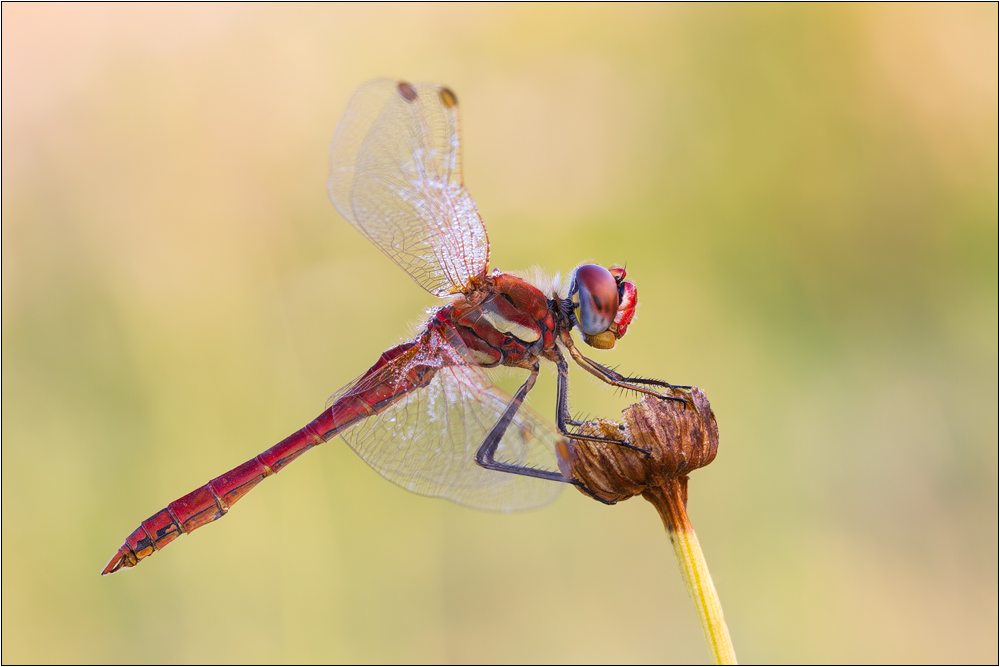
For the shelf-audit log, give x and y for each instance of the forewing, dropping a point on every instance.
(396, 175)
(426, 439)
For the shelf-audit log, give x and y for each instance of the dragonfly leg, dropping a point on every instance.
(562, 409)
(616, 379)
(487, 450)
(583, 487)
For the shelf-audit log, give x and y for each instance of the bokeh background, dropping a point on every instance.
(806, 197)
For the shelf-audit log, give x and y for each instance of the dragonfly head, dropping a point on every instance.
(603, 303)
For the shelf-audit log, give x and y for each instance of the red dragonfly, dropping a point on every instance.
(426, 416)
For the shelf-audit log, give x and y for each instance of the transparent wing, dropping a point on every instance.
(432, 412)
(396, 175)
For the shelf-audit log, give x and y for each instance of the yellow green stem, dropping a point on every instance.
(670, 504)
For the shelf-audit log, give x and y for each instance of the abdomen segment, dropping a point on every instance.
(378, 388)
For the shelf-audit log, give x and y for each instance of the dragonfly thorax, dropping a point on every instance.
(505, 321)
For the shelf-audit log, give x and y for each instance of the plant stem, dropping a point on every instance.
(670, 500)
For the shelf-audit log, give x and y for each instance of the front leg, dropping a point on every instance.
(616, 379)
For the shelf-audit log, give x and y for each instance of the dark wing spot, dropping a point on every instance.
(448, 98)
(408, 92)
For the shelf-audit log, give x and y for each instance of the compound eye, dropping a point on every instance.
(597, 299)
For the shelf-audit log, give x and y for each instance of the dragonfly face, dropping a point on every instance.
(426, 415)
(603, 304)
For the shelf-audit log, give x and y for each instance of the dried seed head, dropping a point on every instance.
(678, 437)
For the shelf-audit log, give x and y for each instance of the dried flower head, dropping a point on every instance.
(678, 437)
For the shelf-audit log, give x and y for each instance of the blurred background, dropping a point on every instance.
(806, 197)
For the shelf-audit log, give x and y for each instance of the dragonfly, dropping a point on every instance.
(426, 415)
